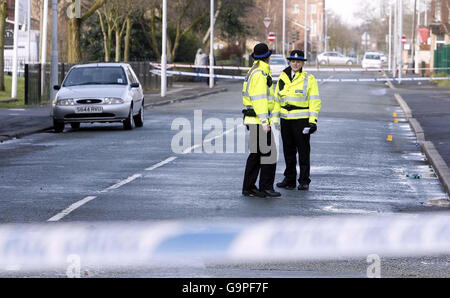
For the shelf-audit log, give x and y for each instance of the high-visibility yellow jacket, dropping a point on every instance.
(301, 92)
(257, 95)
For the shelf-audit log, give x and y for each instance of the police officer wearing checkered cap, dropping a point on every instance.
(297, 93)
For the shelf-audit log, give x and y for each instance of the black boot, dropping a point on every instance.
(286, 184)
(303, 186)
(254, 193)
(272, 193)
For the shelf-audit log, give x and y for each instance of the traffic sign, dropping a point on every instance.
(365, 36)
(267, 22)
(271, 37)
(403, 39)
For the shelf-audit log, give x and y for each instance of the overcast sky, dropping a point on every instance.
(346, 8)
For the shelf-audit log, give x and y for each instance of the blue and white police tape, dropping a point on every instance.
(193, 74)
(46, 246)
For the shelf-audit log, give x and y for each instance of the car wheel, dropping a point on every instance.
(75, 125)
(323, 62)
(58, 126)
(139, 118)
(349, 63)
(128, 123)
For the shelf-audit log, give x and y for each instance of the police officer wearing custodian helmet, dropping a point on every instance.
(261, 110)
(298, 95)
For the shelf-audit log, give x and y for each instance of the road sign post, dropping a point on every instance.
(267, 22)
(271, 37)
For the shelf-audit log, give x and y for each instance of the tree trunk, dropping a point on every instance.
(126, 55)
(2, 43)
(118, 44)
(107, 35)
(74, 40)
(74, 26)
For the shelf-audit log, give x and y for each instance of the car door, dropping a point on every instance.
(133, 91)
(332, 58)
(139, 90)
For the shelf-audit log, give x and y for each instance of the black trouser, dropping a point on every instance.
(263, 156)
(295, 141)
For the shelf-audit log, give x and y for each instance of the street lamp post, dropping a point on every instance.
(211, 46)
(284, 27)
(164, 51)
(306, 29)
(54, 60)
(44, 44)
(15, 49)
(390, 37)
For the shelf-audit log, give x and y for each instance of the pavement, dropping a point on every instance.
(428, 111)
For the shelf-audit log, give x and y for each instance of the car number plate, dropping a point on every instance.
(88, 109)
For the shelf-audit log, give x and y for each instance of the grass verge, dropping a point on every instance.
(442, 83)
(4, 95)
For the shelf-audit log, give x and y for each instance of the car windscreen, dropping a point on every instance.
(373, 57)
(109, 75)
(277, 61)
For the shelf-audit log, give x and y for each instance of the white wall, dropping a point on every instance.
(23, 50)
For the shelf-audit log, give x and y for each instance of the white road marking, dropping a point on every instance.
(80, 203)
(123, 182)
(160, 164)
(71, 208)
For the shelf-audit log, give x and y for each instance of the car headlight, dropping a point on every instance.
(112, 100)
(65, 102)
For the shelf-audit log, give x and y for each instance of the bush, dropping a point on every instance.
(230, 52)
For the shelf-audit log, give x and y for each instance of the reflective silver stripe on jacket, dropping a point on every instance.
(313, 114)
(314, 97)
(305, 86)
(263, 116)
(256, 97)
(294, 115)
(248, 81)
(302, 96)
(276, 114)
(293, 98)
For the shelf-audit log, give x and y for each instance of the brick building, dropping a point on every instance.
(295, 29)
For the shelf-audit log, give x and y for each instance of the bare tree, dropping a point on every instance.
(182, 18)
(74, 28)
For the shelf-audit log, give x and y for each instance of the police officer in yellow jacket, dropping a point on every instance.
(298, 95)
(261, 110)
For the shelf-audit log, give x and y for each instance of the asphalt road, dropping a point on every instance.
(134, 176)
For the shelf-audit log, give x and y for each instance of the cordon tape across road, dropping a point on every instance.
(327, 69)
(46, 246)
(193, 74)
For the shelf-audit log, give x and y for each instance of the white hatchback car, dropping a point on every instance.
(277, 64)
(100, 92)
(371, 60)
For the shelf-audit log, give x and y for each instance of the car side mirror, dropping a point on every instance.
(56, 87)
(134, 85)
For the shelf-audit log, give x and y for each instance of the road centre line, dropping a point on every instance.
(80, 203)
(72, 207)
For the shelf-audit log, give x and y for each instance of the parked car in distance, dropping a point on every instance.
(371, 60)
(383, 57)
(335, 58)
(100, 92)
(277, 64)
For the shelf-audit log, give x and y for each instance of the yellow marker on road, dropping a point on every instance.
(394, 114)
(396, 120)
(389, 138)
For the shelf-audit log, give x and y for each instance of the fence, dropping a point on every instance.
(442, 58)
(37, 79)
